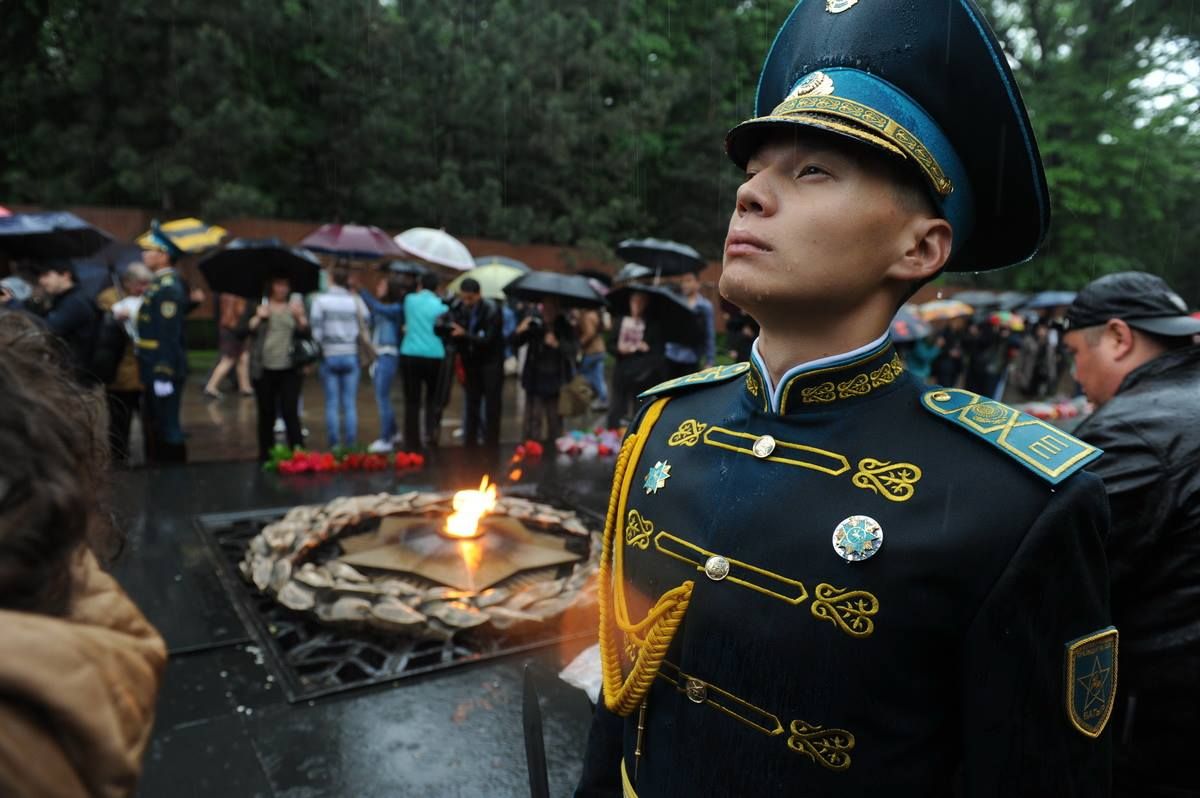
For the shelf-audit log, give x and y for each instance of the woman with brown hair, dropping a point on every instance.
(79, 665)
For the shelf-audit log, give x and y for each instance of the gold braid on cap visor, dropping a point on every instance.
(864, 123)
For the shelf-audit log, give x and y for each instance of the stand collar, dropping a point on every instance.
(827, 381)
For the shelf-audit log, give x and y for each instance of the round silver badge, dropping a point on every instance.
(763, 446)
(857, 538)
(716, 568)
(697, 691)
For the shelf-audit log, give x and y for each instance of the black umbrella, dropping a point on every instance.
(572, 289)
(408, 267)
(246, 265)
(50, 234)
(680, 324)
(596, 274)
(661, 257)
(631, 272)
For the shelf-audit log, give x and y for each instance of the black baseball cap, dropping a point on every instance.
(1143, 301)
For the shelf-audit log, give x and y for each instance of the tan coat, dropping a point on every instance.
(127, 378)
(77, 693)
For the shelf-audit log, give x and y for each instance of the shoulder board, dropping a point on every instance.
(167, 280)
(1042, 448)
(708, 376)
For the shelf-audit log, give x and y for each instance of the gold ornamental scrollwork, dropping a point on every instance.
(827, 747)
(851, 611)
(638, 530)
(825, 392)
(893, 481)
(859, 386)
(688, 434)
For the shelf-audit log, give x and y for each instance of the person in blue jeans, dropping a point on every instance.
(387, 315)
(336, 318)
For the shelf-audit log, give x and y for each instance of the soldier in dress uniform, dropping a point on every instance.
(162, 355)
(820, 576)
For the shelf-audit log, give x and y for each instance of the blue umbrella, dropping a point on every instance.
(49, 234)
(1050, 299)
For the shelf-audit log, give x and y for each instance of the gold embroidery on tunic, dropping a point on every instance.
(826, 747)
(733, 706)
(638, 530)
(740, 573)
(893, 481)
(849, 610)
(688, 434)
(752, 385)
(825, 392)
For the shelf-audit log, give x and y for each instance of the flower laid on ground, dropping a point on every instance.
(1055, 410)
(299, 461)
(599, 442)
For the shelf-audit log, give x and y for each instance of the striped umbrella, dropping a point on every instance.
(942, 309)
(188, 236)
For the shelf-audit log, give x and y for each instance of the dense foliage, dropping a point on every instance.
(536, 120)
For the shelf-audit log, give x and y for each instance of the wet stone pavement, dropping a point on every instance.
(224, 727)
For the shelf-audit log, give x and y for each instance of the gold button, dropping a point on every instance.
(764, 446)
(941, 396)
(697, 691)
(716, 568)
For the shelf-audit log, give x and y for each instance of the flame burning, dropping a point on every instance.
(469, 507)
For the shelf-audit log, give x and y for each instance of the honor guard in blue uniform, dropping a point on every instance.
(820, 576)
(162, 356)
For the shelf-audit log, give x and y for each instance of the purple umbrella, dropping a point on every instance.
(352, 241)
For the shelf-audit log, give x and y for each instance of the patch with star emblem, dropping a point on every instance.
(1091, 680)
(168, 310)
(656, 478)
(857, 538)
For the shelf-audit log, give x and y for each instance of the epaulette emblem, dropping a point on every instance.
(1042, 448)
(705, 377)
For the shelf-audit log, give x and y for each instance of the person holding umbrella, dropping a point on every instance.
(476, 332)
(639, 346)
(549, 365)
(681, 358)
(421, 356)
(270, 329)
(68, 312)
(387, 320)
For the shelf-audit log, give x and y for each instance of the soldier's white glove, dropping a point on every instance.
(163, 388)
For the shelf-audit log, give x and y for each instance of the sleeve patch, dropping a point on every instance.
(1042, 448)
(1091, 680)
(168, 309)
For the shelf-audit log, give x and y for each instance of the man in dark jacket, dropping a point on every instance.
(69, 314)
(1131, 339)
(476, 331)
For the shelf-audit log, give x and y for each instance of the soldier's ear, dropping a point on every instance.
(926, 248)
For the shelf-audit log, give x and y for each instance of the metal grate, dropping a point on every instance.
(311, 660)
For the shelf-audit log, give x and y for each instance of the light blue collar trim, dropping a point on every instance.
(774, 389)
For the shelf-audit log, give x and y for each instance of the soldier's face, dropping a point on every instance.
(815, 230)
(155, 259)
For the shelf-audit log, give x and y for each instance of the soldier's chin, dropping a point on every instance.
(744, 283)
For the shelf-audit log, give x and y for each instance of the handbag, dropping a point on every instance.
(576, 396)
(305, 350)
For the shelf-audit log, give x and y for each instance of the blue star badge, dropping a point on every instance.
(657, 478)
(857, 538)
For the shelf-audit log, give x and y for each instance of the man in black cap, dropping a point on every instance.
(819, 576)
(69, 313)
(1131, 339)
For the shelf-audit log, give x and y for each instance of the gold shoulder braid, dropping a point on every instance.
(651, 636)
